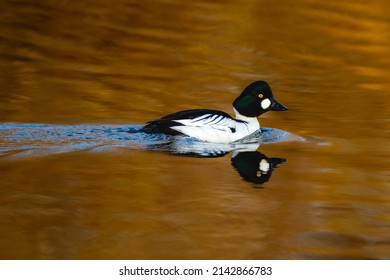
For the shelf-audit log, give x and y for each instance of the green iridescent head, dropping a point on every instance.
(256, 99)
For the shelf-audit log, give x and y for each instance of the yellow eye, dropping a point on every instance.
(260, 95)
(258, 173)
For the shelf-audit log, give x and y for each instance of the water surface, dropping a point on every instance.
(76, 77)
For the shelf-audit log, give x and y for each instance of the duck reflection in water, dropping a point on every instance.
(252, 165)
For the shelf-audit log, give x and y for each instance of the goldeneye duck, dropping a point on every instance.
(217, 126)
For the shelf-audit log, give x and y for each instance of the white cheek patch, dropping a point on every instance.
(265, 103)
(264, 165)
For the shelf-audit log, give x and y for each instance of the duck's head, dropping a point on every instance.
(256, 99)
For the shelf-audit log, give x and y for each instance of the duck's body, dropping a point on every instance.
(217, 126)
(206, 125)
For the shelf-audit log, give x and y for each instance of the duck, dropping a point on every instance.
(217, 126)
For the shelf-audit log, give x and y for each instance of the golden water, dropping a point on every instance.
(127, 62)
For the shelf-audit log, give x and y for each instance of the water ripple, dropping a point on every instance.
(37, 139)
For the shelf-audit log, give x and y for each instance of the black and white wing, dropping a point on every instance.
(192, 118)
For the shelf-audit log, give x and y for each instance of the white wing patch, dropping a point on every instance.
(209, 127)
(216, 128)
(210, 121)
(201, 117)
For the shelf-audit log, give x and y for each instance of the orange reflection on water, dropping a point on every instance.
(128, 62)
